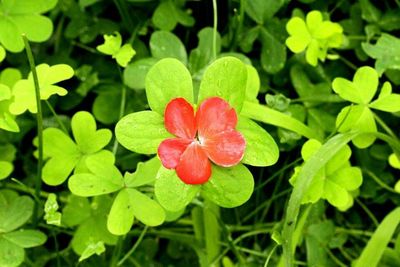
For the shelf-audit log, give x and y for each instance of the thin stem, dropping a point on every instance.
(121, 108)
(379, 181)
(239, 27)
(39, 118)
(270, 255)
(368, 212)
(62, 126)
(138, 241)
(348, 63)
(215, 28)
(384, 126)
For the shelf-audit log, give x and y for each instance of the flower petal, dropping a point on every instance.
(179, 118)
(225, 149)
(170, 151)
(215, 116)
(194, 166)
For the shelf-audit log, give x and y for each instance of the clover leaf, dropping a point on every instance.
(7, 121)
(112, 46)
(15, 211)
(394, 161)
(335, 182)
(105, 178)
(24, 17)
(91, 219)
(52, 215)
(361, 91)
(65, 155)
(24, 90)
(7, 155)
(2, 53)
(169, 13)
(314, 35)
(386, 51)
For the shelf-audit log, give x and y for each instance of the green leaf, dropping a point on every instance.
(229, 187)
(203, 53)
(171, 192)
(88, 139)
(112, 44)
(166, 80)
(52, 216)
(91, 249)
(145, 209)
(386, 51)
(164, 44)
(299, 36)
(252, 84)
(103, 179)
(124, 55)
(358, 118)
(369, 12)
(373, 252)
(261, 148)
(261, 10)
(136, 72)
(273, 53)
(394, 161)
(106, 107)
(387, 101)
(26, 238)
(7, 121)
(362, 89)
(10, 76)
(24, 90)
(11, 255)
(141, 132)
(2, 53)
(145, 173)
(15, 213)
(168, 14)
(76, 211)
(6, 169)
(226, 78)
(24, 18)
(121, 215)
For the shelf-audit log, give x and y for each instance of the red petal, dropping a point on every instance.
(194, 166)
(225, 149)
(179, 118)
(170, 151)
(215, 116)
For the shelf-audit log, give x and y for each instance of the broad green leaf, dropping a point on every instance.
(229, 187)
(121, 215)
(357, 118)
(171, 192)
(112, 44)
(369, 12)
(10, 76)
(11, 255)
(261, 148)
(299, 36)
(252, 84)
(2, 53)
(168, 14)
(76, 211)
(7, 121)
(57, 169)
(15, 214)
(24, 90)
(87, 137)
(26, 238)
(145, 209)
(52, 216)
(93, 248)
(164, 44)
(103, 179)
(273, 52)
(386, 51)
(135, 73)
(394, 161)
(373, 252)
(141, 132)
(6, 169)
(261, 10)
(203, 53)
(20, 17)
(226, 78)
(145, 173)
(166, 80)
(387, 101)
(106, 107)
(124, 55)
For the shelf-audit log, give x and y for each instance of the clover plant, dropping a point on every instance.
(361, 91)
(313, 35)
(113, 46)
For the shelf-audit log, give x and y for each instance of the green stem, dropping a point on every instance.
(62, 126)
(215, 11)
(138, 241)
(121, 107)
(212, 231)
(270, 255)
(270, 116)
(239, 27)
(367, 211)
(379, 181)
(39, 118)
(385, 127)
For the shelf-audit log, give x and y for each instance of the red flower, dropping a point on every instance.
(207, 135)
